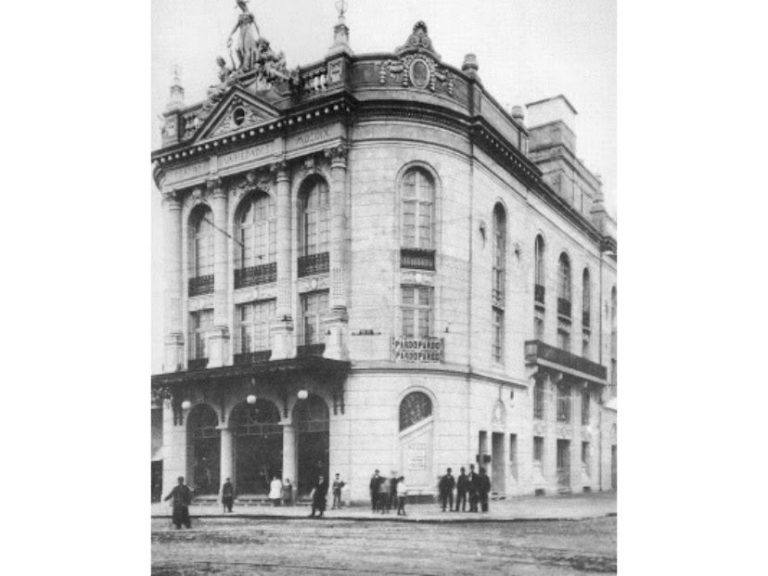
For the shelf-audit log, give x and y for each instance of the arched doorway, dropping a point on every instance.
(312, 436)
(258, 446)
(416, 425)
(204, 445)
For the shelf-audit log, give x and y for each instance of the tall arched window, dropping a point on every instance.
(586, 306)
(256, 246)
(313, 227)
(414, 408)
(201, 251)
(498, 281)
(614, 341)
(538, 288)
(564, 303)
(418, 206)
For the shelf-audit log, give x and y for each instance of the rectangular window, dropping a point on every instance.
(563, 336)
(199, 325)
(563, 403)
(538, 325)
(585, 345)
(538, 450)
(498, 335)
(538, 401)
(313, 307)
(585, 407)
(253, 320)
(585, 456)
(513, 454)
(417, 311)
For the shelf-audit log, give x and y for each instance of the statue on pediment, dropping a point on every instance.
(246, 33)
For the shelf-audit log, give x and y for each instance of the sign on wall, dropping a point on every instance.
(417, 349)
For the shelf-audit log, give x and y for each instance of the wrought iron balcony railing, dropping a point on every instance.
(539, 294)
(253, 275)
(197, 364)
(310, 350)
(201, 285)
(536, 351)
(564, 307)
(252, 357)
(417, 258)
(312, 264)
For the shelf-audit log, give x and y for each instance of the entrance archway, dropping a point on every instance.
(204, 445)
(258, 438)
(312, 419)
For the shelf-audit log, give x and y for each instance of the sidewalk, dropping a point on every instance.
(571, 507)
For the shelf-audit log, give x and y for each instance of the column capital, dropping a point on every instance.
(279, 170)
(215, 186)
(337, 154)
(171, 197)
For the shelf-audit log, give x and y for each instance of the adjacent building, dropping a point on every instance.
(371, 264)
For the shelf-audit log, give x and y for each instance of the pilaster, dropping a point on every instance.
(283, 345)
(289, 452)
(219, 336)
(174, 337)
(227, 456)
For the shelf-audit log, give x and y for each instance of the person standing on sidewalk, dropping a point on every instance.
(484, 489)
(227, 495)
(337, 486)
(319, 496)
(182, 498)
(393, 491)
(402, 492)
(287, 492)
(275, 491)
(384, 490)
(474, 485)
(445, 487)
(462, 486)
(374, 488)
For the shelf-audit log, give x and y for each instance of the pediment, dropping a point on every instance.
(236, 111)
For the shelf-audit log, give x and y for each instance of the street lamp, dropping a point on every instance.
(186, 405)
(303, 394)
(251, 399)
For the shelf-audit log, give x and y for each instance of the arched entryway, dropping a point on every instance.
(312, 437)
(204, 445)
(258, 438)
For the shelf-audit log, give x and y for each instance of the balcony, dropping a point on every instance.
(197, 364)
(310, 350)
(200, 285)
(417, 258)
(421, 350)
(536, 352)
(539, 294)
(254, 275)
(313, 264)
(252, 357)
(564, 307)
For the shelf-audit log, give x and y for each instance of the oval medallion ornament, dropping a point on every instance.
(419, 73)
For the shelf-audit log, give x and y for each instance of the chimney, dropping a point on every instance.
(470, 66)
(551, 122)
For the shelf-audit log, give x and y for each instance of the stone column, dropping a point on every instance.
(174, 446)
(576, 478)
(289, 453)
(283, 345)
(218, 354)
(174, 337)
(337, 321)
(226, 469)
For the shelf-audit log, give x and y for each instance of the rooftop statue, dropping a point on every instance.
(246, 47)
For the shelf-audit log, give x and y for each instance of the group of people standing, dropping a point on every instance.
(475, 486)
(386, 493)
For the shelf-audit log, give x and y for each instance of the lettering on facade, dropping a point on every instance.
(416, 457)
(313, 136)
(417, 349)
(186, 172)
(245, 155)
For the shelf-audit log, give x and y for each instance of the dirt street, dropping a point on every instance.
(244, 546)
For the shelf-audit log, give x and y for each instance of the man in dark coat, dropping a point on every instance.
(227, 495)
(474, 485)
(445, 487)
(484, 488)
(374, 488)
(462, 487)
(182, 498)
(319, 496)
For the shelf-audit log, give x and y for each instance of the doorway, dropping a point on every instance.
(614, 469)
(258, 446)
(204, 450)
(312, 421)
(563, 464)
(498, 463)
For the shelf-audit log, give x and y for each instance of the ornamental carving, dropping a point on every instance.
(417, 71)
(337, 153)
(250, 183)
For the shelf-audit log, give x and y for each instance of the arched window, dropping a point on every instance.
(564, 303)
(418, 197)
(260, 418)
(498, 281)
(414, 408)
(313, 227)
(538, 288)
(201, 242)
(614, 340)
(256, 235)
(586, 306)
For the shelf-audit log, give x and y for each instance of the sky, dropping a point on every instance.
(527, 50)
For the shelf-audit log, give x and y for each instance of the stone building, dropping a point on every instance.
(370, 264)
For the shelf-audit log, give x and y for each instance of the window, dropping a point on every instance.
(313, 306)
(586, 306)
(499, 254)
(414, 408)
(253, 321)
(416, 311)
(564, 303)
(418, 196)
(313, 226)
(563, 403)
(563, 334)
(614, 341)
(513, 454)
(585, 408)
(201, 245)
(585, 456)
(538, 400)
(497, 345)
(538, 450)
(257, 232)
(539, 280)
(199, 324)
